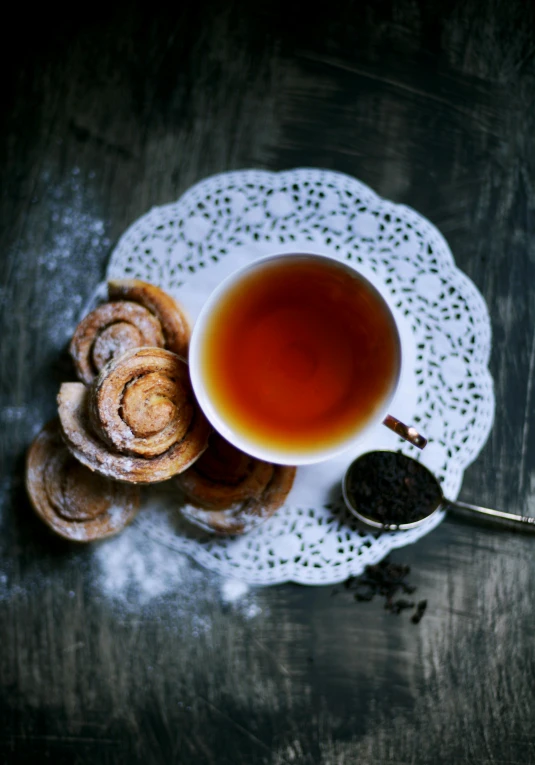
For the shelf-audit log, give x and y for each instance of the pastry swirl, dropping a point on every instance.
(74, 502)
(138, 314)
(230, 492)
(139, 421)
(174, 322)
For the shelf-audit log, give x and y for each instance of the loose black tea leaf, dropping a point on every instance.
(420, 609)
(387, 580)
(397, 606)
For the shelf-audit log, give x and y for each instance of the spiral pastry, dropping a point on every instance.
(139, 421)
(138, 314)
(74, 502)
(229, 492)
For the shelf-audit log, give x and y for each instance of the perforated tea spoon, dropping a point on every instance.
(390, 491)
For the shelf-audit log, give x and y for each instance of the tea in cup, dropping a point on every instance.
(295, 357)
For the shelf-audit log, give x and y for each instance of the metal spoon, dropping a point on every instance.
(406, 484)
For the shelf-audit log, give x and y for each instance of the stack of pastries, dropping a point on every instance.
(133, 419)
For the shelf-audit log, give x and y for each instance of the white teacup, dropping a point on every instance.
(230, 292)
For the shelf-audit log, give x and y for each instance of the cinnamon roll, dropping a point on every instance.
(74, 502)
(139, 421)
(138, 314)
(229, 492)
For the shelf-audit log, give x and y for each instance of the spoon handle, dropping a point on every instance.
(509, 520)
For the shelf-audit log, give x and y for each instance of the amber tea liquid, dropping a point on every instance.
(299, 355)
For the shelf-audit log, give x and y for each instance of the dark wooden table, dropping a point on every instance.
(106, 115)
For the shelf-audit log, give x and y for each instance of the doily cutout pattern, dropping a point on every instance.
(230, 219)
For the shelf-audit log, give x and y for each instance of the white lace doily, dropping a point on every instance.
(227, 220)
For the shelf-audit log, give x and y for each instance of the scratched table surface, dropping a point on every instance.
(128, 653)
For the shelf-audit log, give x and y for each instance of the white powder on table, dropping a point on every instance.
(77, 233)
(232, 590)
(134, 570)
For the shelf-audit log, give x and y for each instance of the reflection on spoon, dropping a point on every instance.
(390, 491)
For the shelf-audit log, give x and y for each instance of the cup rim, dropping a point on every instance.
(277, 456)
